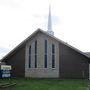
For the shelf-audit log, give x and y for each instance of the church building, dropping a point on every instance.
(42, 55)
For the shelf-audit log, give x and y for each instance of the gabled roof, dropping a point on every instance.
(87, 54)
(44, 32)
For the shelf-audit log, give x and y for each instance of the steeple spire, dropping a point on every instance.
(50, 22)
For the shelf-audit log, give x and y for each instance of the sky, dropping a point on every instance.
(20, 18)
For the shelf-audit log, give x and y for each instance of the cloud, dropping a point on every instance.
(55, 19)
(19, 18)
(3, 51)
(10, 3)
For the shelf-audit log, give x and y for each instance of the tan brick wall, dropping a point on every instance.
(40, 71)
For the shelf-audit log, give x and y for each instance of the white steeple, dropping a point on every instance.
(50, 23)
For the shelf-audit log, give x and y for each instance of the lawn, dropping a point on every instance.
(46, 84)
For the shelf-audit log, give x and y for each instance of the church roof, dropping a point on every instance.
(87, 54)
(44, 32)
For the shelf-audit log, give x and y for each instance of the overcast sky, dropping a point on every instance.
(20, 18)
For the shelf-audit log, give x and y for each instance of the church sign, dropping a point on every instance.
(5, 71)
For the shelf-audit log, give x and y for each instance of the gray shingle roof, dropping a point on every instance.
(87, 54)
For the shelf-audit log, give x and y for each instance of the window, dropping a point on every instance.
(53, 56)
(53, 61)
(36, 54)
(45, 46)
(45, 56)
(35, 61)
(45, 61)
(53, 49)
(36, 47)
(30, 56)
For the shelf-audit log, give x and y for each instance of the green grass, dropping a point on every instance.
(46, 84)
